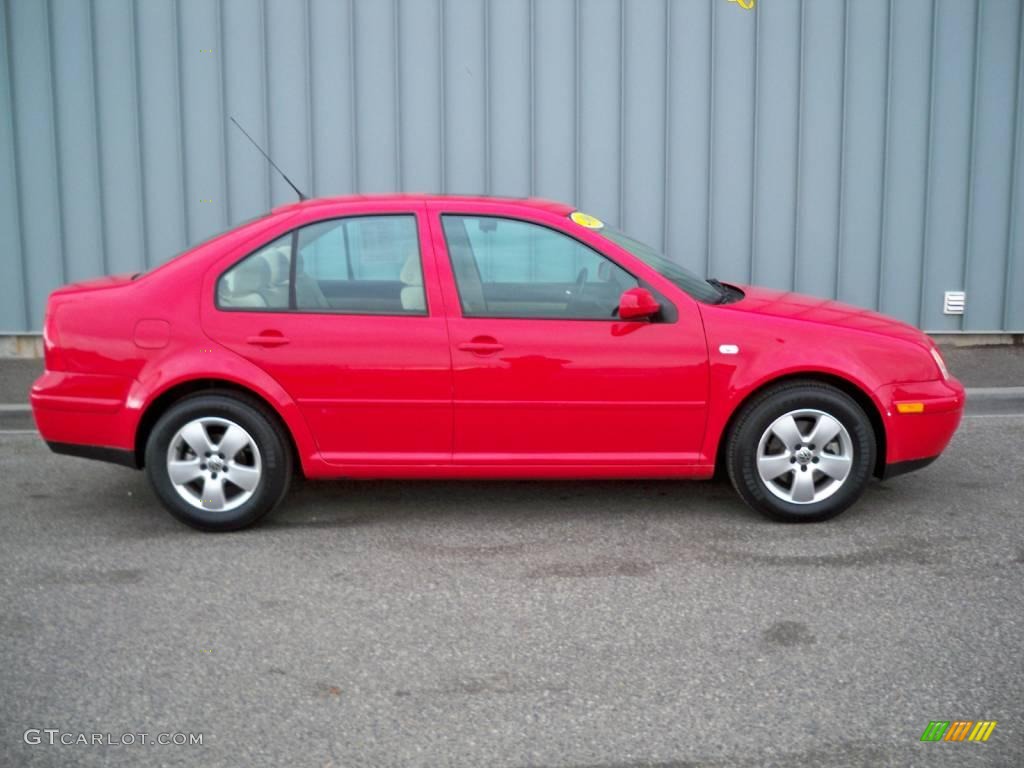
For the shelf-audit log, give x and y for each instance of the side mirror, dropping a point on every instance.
(637, 303)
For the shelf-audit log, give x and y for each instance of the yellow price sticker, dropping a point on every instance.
(586, 220)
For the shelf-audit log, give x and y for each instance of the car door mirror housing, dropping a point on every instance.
(637, 303)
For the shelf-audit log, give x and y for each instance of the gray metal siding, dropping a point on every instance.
(863, 149)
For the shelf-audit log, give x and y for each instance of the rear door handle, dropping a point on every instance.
(267, 339)
(482, 345)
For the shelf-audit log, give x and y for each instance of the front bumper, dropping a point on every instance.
(890, 471)
(920, 419)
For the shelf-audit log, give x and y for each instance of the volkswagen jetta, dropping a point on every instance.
(444, 337)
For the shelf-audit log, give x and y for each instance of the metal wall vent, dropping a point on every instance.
(953, 303)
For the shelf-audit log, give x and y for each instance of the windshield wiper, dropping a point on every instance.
(722, 289)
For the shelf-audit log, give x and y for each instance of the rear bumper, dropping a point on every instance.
(84, 414)
(99, 453)
(920, 419)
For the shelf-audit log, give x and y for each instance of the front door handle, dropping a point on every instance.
(482, 345)
(267, 339)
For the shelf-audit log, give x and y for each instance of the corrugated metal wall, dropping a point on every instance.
(865, 149)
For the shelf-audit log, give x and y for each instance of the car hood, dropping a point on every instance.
(768, 302)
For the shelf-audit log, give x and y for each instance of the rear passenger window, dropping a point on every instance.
(368, 264)
(259, 281)
(356, 265)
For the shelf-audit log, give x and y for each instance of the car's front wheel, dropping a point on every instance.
(801, 452)
(218, 462)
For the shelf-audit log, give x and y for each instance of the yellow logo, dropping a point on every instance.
(586, 220)
(745, 4)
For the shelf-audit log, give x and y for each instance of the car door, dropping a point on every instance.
(345, 313)
(543, 372)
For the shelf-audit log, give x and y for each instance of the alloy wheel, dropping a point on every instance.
(214, 464)
(804, 456)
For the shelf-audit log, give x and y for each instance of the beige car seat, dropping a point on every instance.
(307, 290)
(413, 298)
(245, 285)
(276, 292)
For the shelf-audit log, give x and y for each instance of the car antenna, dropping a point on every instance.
(250, 138)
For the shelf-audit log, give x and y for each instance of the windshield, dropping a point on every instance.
(690, 282)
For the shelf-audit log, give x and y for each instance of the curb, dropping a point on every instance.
(995, 393)
(994, 401)
(16, 417)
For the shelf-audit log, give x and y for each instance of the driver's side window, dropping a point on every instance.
(511, 268)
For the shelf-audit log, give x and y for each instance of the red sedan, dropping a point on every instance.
(444, 337)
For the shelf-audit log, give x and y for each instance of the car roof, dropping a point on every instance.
(538, 203)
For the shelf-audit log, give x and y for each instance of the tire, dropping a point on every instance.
(184, 444)
(814, 483)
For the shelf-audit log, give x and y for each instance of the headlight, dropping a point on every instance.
(937, 357)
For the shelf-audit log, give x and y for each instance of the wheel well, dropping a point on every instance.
(188, 388)
(859, 396)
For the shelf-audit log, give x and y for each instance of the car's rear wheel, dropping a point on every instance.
(801, 452)
(218, 462)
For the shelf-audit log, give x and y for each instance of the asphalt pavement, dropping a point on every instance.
(551, 624)
(546, 624)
